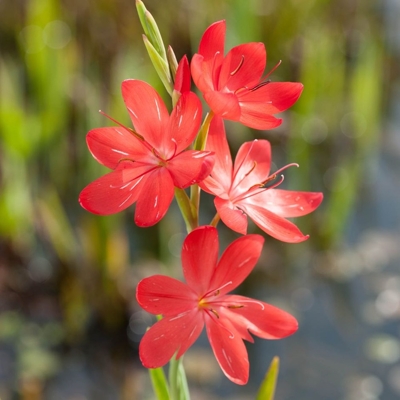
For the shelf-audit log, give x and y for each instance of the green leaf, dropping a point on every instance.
(159, 382)
(183, 385)
(155, 35)
(267, 388)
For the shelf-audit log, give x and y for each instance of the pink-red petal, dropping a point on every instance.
(182, 78)
(170, 335)
(225, 105)
(261, 319)
(111, 145)
(252, 166)
(199, 258)
(273, 224)
(202, 73)
(229, 349)
(190, 167)
(282, 94)
(159, 294)
(231, 216)
(155, 197)
(213, 40)
(258, 119)
(183, 125)
(115, 191)
(217, 142)
(242, 67)
(147, 110)
(236, 263)
(287, 203)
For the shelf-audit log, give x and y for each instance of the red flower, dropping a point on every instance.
(233, 85)
(204, 300)
(182, 78)
(240, 189)
(149, 162)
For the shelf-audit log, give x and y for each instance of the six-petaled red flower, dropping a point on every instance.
(233, 85)
(204, 301)
(240, 189)
(150, 161)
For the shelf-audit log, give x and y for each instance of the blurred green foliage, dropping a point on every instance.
(62, 61)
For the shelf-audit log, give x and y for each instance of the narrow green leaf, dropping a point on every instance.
(267, 388)
(155, 35)
(141, 10)
(160, 65)
(184, 388)
(159, 382)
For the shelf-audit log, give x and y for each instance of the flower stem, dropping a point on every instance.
(188, 211)
(200, 144)
(215, 220)
(179, 388)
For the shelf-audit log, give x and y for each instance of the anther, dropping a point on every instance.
(214, 312)
(238, 67)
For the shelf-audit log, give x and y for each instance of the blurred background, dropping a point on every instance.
(69, 322)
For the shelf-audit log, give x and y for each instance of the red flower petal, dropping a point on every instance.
(217, 142)
(212, 186)
(229, 349)
(261, 319)
(256, 118)
(223, 104)
(202, 73)
(236, 263)
(242, 67)
(169, 335)
(282, 94)
(164, 295)
(231, 216)
(183, 125)
(109, 145)
(155, 197)
(146, 109)
(190, 167)
(199, 258)
(252, 165)
(115, 191)
(213, 40)
(287, 203)
(274, 225)
(182, 78)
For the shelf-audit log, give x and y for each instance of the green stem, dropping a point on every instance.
(189, 213)
(200, 144)
(173, 378)
(183, 382)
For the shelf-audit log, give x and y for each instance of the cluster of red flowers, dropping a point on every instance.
(158, 155)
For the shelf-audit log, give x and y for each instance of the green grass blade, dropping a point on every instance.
(159, 383)
(267, 388)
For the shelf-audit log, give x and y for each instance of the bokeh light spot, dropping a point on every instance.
(31, 38)
(56, 34)
(336, 179)
(314, 131)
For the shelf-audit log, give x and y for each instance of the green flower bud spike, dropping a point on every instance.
(155, 46)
